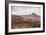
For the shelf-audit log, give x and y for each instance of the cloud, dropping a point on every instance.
(25, 10)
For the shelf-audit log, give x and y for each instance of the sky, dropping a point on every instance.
(25, 10)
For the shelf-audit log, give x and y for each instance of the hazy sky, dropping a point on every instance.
(25, 10)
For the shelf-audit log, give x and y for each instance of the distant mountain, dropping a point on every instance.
(15, 17)
(32, 17)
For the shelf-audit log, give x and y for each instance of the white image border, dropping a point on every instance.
(25, 29)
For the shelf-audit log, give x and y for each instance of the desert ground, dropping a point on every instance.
(18, 23)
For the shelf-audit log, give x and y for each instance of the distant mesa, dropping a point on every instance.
(32, 16)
